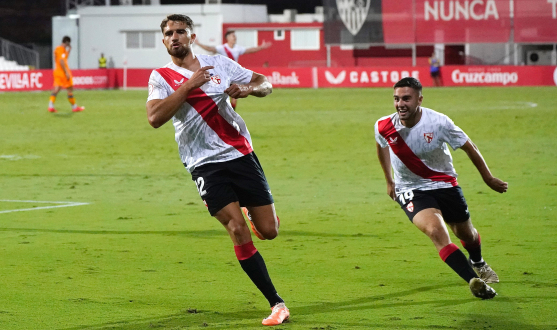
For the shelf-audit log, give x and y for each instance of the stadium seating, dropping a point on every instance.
(6, 65)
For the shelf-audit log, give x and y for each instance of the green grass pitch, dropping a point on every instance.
(145, 254)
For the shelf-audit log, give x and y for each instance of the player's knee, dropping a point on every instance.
(237, 228)
(269, 233)
(436, 234)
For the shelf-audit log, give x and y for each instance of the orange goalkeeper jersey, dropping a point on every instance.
(61, 55)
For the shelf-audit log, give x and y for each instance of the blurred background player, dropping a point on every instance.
(413, 141)
(63, 75)
(215, 145)
(435, 70)
(233, 51)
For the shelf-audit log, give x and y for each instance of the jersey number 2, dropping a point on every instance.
(200, 184)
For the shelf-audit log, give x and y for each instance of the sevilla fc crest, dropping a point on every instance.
(410, 207)
(353, 13)
(428, 137)
(215, 79)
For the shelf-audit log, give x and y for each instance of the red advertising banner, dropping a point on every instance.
(499, 75)
(446, 21)
(26, 80)
(370, 77)
(289, 77)
(42, 80)
(535, 21)
(316, 77)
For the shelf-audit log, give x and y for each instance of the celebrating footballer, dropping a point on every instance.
(215, 145)
(412, 142)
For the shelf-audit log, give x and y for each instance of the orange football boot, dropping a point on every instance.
(52, 110)
(257, 234)
(279, 315)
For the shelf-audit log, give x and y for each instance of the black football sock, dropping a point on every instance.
(453, 257)
(253, 264)
(475, 251)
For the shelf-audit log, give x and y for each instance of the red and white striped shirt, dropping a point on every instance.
(208, 130)
(419, 155)
(232, 53)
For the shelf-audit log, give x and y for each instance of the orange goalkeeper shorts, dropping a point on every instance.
(61, 80)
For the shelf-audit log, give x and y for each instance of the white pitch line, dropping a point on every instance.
(64, 204)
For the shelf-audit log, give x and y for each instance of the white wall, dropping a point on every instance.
(102, 29)
(66, 26)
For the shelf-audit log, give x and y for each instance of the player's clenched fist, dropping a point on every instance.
(498, 185)
(238, 91)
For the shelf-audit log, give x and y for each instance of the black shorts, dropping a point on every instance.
(239, 180)
(435, 73)
(450, 201)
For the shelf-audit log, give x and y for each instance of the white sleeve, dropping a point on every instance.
(238, 74)
(379, 138)
(241, 49)
(454, 136)
(220, 50)
(157, 91)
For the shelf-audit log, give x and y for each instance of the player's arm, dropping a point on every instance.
(211, 49)
(258, 86)
(161, 111)
(385, 161)
(476, 157)
(65, 68)
(264, 45)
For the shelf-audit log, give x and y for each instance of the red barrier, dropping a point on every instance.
(306, 77)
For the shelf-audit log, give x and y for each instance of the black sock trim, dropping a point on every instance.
(255, 267)
(458, 262)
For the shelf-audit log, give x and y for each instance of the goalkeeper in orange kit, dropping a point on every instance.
(63, 76)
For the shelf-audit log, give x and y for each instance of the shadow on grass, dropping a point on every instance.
(63, 114)
(251, 318)
(188, 233)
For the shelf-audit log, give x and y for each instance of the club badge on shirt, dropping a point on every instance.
(428, 137)
(215, 79)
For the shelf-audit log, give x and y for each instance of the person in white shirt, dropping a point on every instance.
(413, 142)
(232, 50)
(215, 145)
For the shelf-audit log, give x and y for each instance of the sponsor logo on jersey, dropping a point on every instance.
(428, 137)
(178, 83)
(353, 13)
(410, 207)
(335, 80)
(392, 141)
(215, 79)
(151, 88)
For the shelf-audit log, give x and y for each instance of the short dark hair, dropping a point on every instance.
(66, 39)
(409, 82)
(229, 32)
(178, 18)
